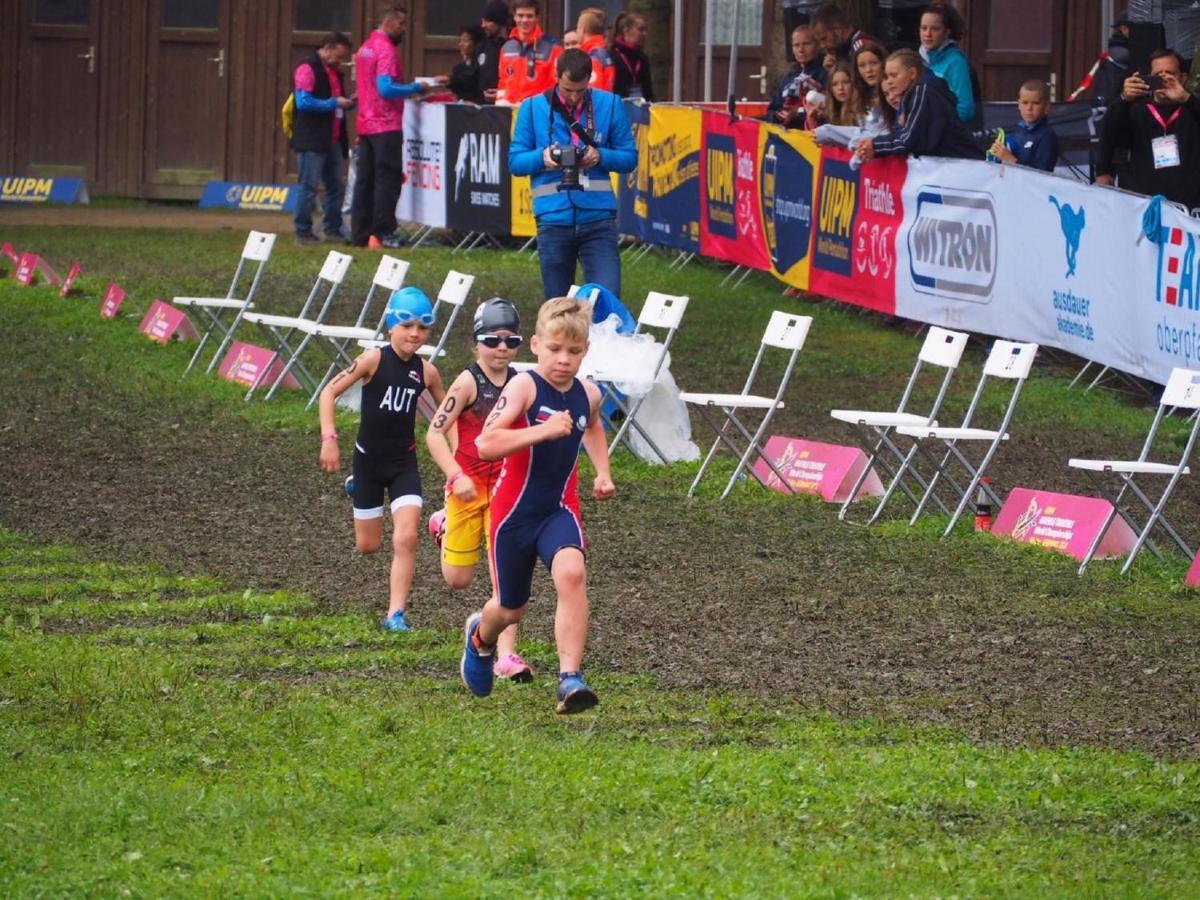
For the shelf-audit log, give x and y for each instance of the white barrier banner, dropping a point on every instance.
(1028, 256)
(423, 197)
(1168, 324)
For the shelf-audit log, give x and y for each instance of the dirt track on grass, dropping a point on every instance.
(778, 599)
(163, 216)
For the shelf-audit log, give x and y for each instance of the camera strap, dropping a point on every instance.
(556, 103)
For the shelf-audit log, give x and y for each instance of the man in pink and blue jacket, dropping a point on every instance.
(379, 165)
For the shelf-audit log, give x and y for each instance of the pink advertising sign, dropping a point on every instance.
(27, 266)
(246, 364)
(111, 302)
(810, 467)
(1063, 522)
(163, 320)
(69, 282)
(8, 251)
(1193, 575)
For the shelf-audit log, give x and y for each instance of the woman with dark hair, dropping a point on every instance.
(633, 66)
(941, 29)
(464, 79)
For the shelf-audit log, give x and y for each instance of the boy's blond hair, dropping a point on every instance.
(1036, 86)
(565, 316)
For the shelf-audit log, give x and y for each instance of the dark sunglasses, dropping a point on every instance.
(492, 341)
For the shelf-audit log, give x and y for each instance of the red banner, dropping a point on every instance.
(730, 217)
(859, 213)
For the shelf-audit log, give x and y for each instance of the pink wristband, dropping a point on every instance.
(453, 478)
(332, 436)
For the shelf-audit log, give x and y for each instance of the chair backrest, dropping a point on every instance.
(784, 331)
(943, 348)
(1010, 361)
(258, 246)
(335, 267)
(662, 311)
(333, 272)
(1181, 392)
(592, 295)
(390, 273)
(257, 250)
(455, 289)
(389, 278)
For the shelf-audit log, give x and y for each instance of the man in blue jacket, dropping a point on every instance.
(576, 211)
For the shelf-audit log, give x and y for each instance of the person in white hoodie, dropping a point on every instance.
(941, 29)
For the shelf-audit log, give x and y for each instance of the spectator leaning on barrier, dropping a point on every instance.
(379, 163)
(1159, 122)
(528, 57)
(319, 137)
(807, 75)
(464, 78)
(941, 30)
(1033, 142)
(926, 122)
(836, 35)
(595, 45)
(494, 23)
(632, 77)
(841, 106)
(574, 205)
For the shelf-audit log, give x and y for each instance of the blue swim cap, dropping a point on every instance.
(407, 304)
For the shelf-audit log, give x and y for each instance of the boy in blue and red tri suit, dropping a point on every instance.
(385, 451)
(537, 427)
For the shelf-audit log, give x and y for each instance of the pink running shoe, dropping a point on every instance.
(437, 526)
(514, 668)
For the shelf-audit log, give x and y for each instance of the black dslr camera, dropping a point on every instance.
(568, 157)
(568, 163)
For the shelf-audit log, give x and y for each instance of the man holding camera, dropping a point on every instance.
(568, 140)
(1158, 121)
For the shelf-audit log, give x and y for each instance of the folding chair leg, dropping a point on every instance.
(225, 342)
(896, 482)
(707, 459)
(630, 415)
(1151, 507)
(751, 447)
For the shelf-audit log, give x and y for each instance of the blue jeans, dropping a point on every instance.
(315, 169)
(560, 247)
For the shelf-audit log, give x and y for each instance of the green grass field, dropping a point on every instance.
(167, 731)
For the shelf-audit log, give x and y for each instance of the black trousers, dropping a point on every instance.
(378, 176)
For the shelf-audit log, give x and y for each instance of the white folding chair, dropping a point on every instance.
(332, 273)
(335, 339)
(1182, 392)
(784, 332)
(455, 289)
(257, 250)
(873, 428)
(1007, 360)
(592, 295)
(661, 311)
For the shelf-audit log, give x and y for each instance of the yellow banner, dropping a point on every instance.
(788, 163)
(523, 223)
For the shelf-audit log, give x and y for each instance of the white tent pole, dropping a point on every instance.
(677, 68)
(733, 49)
(708, 14)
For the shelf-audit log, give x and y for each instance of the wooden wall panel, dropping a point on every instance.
(121, 60)
(9, 55)
(253, 104)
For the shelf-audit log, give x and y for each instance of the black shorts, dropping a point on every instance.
(398, 476)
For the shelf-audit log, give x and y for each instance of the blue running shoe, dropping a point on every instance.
(476, 668)
(396, 622)
(574, 695)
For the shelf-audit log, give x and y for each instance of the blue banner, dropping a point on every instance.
(30, 189)
(633, 189)
(247, 195)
